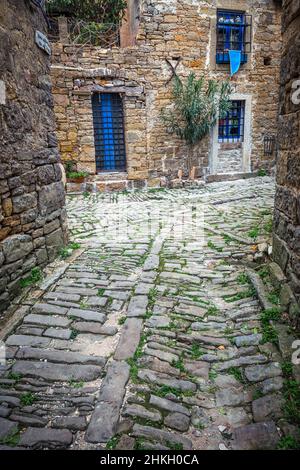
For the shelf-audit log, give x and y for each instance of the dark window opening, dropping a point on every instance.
(231, 128)
(267, 61)
(108, 118)
(233, 33)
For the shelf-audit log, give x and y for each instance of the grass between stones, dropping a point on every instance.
(268, 331)
(67, 251)
(27, 399)
(133, 361)
(291, 393)
(237, 374)
(166, 390)
(35, 276)
(11, 440)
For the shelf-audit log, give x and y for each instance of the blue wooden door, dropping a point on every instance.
(108, 122)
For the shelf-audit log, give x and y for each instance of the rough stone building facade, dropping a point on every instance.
(184, 32)
(32, 214)
(287, 201)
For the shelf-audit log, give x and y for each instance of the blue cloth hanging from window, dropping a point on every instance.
(108, 132)
(235, 58)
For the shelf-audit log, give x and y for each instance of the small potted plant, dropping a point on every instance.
(74, 176)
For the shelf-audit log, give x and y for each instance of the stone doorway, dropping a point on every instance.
(231, 139)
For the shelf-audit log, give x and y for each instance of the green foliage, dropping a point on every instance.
(74, 334)
(240, 295)
(165, 390)
(261, 172)
(237, 374)
(196, 351)
(212, 310)
(254, 232)
(268, 331)
(288, 443)
(11, 440)
(74, 384)
(27, 399)
(243, 278)
(77, 174)
(197, 106)
(292, 404)
(257, 394)
(179, 364)
(35, 276)
(67, 251)
(211, 245)
(101, 11)
(112, 443)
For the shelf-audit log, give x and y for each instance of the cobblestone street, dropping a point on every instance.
(148, 338)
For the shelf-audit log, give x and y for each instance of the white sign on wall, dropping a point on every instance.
(2, 92)
(42, 42)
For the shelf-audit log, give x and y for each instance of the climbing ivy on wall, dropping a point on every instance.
(197, 107)
(104, 11)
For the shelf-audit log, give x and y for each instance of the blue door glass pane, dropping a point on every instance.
(109, 138)
(231, 128)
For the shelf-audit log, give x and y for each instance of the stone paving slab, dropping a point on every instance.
(152, 339)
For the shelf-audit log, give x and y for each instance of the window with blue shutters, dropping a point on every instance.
(108, 119)
(233, 33)
(231, 128)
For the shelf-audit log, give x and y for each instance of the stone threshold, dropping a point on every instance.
(230, 177)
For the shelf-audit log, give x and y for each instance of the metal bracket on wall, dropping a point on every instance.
(173, 68)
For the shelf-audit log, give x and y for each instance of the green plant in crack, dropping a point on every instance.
(264, 272)
(273, 297)
(214, 247)
(237, 374)
(257, 394)
(12, 439)
(240, 295)
(75, 384)
(289, 443)
(196, 351)
(243, 278)
(112, 443)
(122, 320)
(74, 333)
(227, 238)
(268, 226)
(212, 375)
(35, 276)
(174, 445)
(268, 331)
(27, 399)
(133, 361)
(14, 376)
(254, 232)
(166, 390)
(212, 310)
(152, 295)
(100, 292)
(67, 251)
(179, 364)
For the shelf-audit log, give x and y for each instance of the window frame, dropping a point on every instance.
(227, 124)
(226, 20)
(109, 132)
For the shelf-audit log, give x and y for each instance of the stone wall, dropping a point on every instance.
(182, 30)
(32, 214)
(287, 202)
